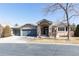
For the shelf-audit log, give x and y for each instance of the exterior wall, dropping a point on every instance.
(38, 31)
(71, 33)
(16, 32)
(64, 33)
(61, 33)
(1, 30)
(50, 31)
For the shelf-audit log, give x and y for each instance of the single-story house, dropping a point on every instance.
(43, 28)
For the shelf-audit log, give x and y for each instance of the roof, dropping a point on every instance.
(44, 20)
(61, 23)
(17, 27)
(28, 25)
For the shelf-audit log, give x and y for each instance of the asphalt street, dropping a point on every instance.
(23, 49)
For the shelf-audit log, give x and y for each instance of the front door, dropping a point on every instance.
(45, 31)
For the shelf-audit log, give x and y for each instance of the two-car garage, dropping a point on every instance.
(25, 30)
(29, 32)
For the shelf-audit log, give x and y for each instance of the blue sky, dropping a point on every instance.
(27, 13)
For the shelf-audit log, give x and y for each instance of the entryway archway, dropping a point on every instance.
(43, 27)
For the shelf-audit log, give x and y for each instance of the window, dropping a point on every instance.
(60, 28)
(66, 29)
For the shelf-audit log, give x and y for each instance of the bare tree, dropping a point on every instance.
(70, 10)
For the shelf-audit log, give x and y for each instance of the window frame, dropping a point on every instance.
(61, 28)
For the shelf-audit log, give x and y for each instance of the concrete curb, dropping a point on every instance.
(53, 43)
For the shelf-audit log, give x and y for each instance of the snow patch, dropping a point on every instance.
(12, 39)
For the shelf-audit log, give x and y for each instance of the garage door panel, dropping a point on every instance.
(29, 32)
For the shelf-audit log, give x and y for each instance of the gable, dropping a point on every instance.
(28, 26)
(44, 21)
(62, 24)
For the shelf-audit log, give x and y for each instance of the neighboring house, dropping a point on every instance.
(43, 28)
(1, 30)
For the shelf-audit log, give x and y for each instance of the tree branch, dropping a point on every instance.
(73, 16)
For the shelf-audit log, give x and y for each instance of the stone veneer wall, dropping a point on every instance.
(64, 33)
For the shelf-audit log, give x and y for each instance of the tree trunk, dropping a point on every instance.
(68, 30)
(67, 24)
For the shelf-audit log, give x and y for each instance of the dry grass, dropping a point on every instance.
(73, 40)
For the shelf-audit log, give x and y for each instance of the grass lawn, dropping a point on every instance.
(73, 40)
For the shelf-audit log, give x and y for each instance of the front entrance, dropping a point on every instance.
(44, 31)
(43, 27)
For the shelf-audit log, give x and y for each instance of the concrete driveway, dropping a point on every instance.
(12, 39)
(23, 49)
